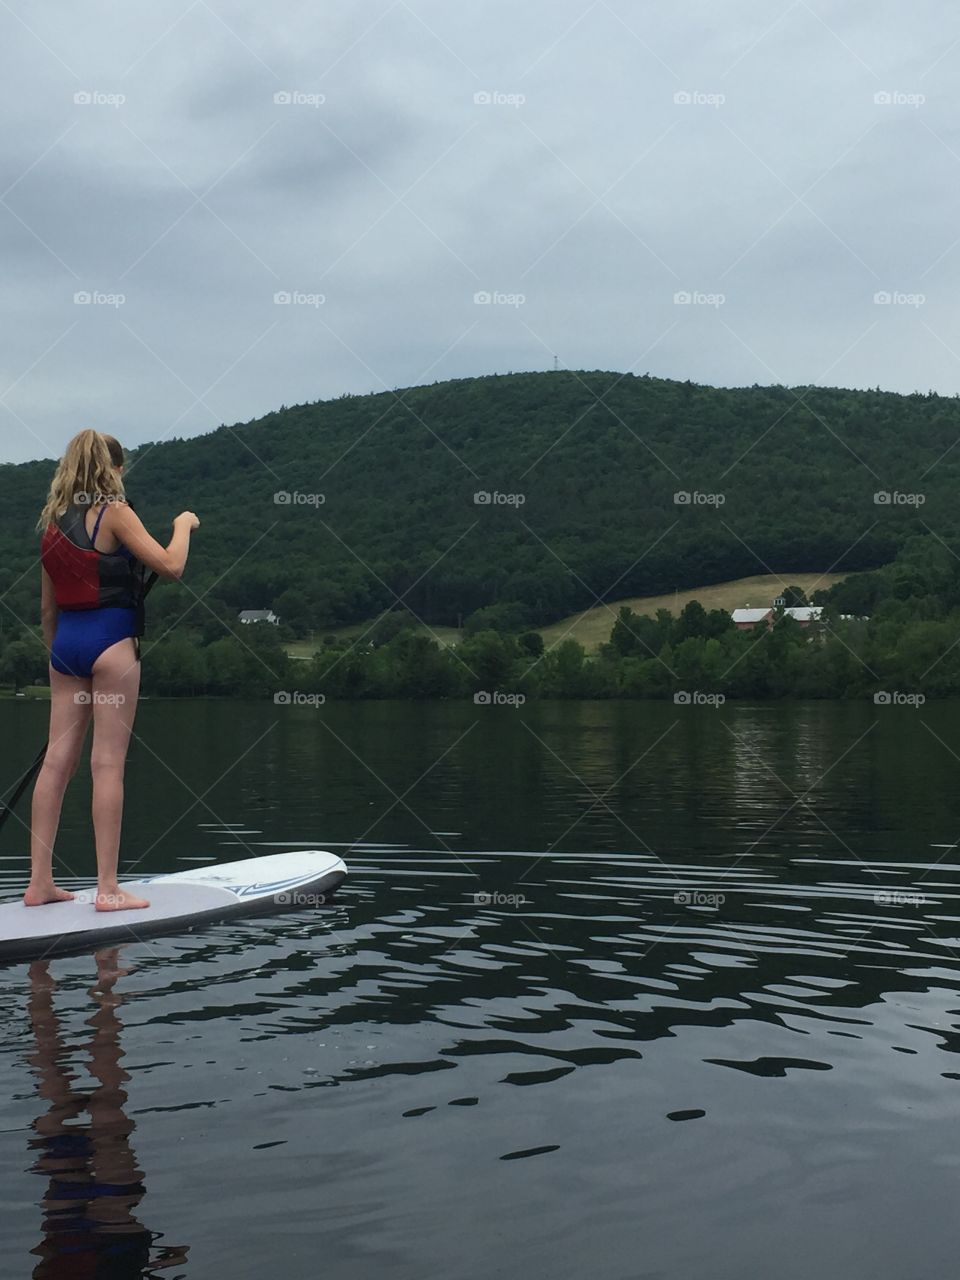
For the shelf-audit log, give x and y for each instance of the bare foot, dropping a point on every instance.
(118, 900)
(39, 894)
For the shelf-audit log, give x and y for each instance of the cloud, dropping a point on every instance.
(796, 162)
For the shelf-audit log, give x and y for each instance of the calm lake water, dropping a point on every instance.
(701, 1023)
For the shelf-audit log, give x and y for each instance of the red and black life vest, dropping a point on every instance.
(84, 578)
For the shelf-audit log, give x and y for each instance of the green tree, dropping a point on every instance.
(531, 642)
(506, 617)
(390, 625)
(226, 666)
(490, 657)
(23, 662)
(568, 661)
(693, 622)
(175, 665)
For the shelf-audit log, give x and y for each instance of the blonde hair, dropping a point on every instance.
(88, 473)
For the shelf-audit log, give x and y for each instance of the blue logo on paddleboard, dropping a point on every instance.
(261, 890)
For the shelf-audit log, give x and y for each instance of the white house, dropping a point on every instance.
(747, 619)
(258, 615)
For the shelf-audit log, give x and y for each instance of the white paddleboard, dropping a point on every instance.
(178, 902)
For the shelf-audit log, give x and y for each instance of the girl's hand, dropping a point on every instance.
(194, 522)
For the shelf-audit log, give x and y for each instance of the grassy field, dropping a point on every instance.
(307, 648)
(593, 627)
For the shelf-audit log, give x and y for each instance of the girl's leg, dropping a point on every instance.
(69, 717)
(116, 687)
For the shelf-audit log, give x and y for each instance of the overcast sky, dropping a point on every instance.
(581, 165)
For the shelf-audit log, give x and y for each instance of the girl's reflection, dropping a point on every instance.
(82, 1143)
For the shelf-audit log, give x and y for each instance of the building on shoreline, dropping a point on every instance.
(258, 615)
(748, 619)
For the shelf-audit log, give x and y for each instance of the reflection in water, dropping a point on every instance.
(94, 1184)
(616, 990)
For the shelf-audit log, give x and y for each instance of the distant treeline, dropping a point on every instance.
(904, 640)
(543, 491)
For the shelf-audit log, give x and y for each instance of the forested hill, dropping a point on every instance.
(596, 459)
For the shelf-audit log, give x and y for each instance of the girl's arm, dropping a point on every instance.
(48, 609)
(169, 561)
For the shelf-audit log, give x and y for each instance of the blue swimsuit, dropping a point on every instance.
(82, 635)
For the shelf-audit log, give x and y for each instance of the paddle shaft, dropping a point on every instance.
(8, 807)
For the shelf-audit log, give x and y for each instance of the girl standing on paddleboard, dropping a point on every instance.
(93, 553)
